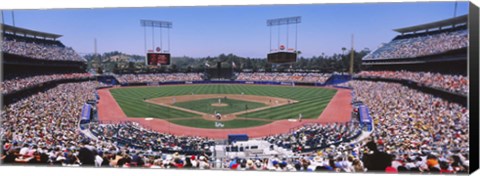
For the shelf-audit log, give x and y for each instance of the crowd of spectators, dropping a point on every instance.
(15, 82)
(316, 136)
(414, 132)
(421, 45)
(135, 136)
(452, 83)
(421, 132)
(43, 128)
(158, 77)
(43, 51)
(297, 77)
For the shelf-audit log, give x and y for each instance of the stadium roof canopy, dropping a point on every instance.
(437, 24)
(23, 31)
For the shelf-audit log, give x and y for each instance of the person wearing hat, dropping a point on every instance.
(194, 161)
(178, 163)
(6, 147)
(203, 163)
(276, 166)
(432, 161)
(234, 164)
(176, 155)
(258, 164)
(250, 165)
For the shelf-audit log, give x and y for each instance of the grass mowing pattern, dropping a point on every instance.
(236, 123)
(312, 101)
(132, 104)
(205, 105)
(309, 108)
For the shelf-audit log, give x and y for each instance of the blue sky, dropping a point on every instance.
(241, 30)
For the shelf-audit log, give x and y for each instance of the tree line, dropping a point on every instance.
(338, 62)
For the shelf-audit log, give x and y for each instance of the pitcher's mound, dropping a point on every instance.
(219, 104)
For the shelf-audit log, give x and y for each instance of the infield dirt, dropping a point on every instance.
(268, 101)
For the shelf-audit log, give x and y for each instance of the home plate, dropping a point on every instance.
(148, 118)
(292, 120)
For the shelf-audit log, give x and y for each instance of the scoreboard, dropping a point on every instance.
(282, 57)
(158, 58)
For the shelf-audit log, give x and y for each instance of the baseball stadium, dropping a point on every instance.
(399, 108)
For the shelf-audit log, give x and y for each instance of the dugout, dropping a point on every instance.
(232, 138)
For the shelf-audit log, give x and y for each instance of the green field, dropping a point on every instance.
(311, 103)
(205, 105)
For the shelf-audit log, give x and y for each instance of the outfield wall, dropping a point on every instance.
(287, 83)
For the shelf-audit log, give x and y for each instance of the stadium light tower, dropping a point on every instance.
(352, 51)
(3, 17)
(157, 55)
(283, 54)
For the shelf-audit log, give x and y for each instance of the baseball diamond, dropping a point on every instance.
(191, 105)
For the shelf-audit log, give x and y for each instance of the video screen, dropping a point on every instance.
(282, 57)
(158, 59)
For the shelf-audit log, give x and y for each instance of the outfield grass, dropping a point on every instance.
(206, 107)
(312, 101)
(236, 123)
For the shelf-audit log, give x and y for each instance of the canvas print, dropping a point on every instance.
(356, 88)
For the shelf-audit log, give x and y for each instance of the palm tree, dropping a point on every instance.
(366, 50)
(343, 50)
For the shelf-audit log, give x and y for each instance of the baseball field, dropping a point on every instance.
(240, 106)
